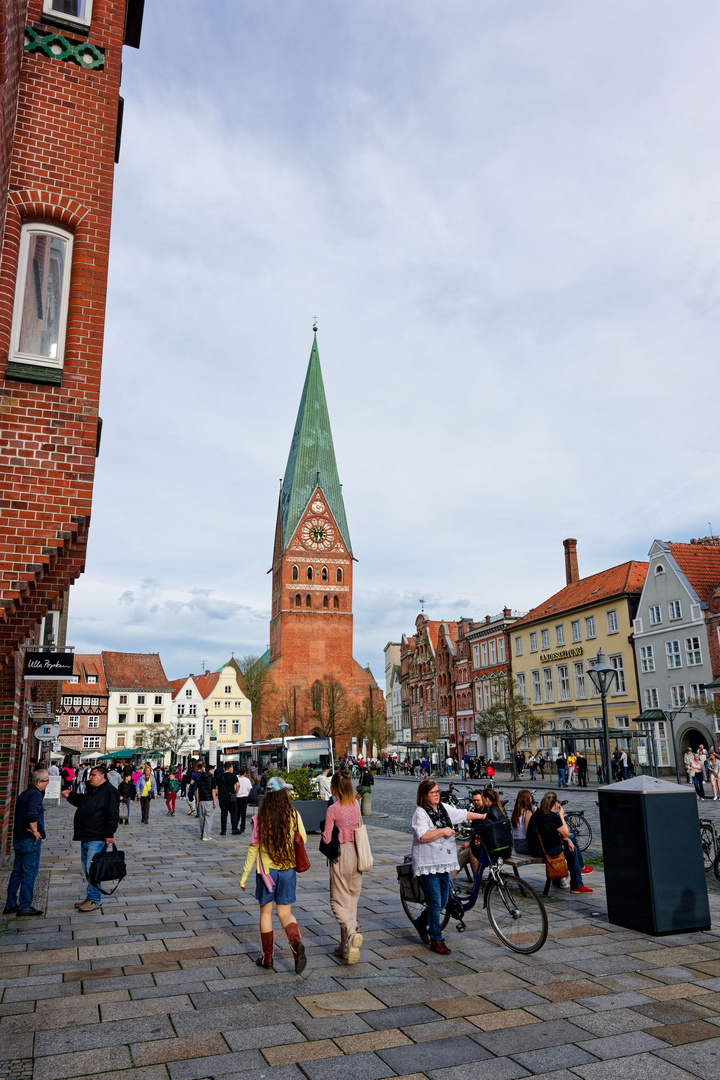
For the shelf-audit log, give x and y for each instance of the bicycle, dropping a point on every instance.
(711, 854)
(579, 826)
(515, 911)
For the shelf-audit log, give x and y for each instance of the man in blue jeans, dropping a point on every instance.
(28, 835)
(96, 820)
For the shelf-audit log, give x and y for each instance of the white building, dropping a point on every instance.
(139, 699)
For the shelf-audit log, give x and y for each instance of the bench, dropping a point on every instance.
(516, 861)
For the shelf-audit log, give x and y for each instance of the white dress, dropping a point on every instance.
(436, 856)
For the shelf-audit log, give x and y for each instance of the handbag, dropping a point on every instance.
(556, 866)
(331, 849)
(362, 847)
(302, 863)
(409, 884)
(107, 865)
(123, 811)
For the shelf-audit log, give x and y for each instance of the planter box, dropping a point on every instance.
(312, 812)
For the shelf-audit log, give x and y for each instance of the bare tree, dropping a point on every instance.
(510, 716)
(370, 725)
(257, 685)
(329, 706)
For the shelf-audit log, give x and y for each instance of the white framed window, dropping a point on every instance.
(122, 718)
(238, 704)
(73, 721)
(77, 701)
(696, 692)
(655, 615)
(120, 740)
(91, 742)
(228, 689)
(41, 295)
(612, 623)
(95, 702)
(533, 642)
(91, 679)
(181, 709)
(575, 629)
(536, 688)
(141, 699)
(590, 626)
(492, 653)
(236, 727)
(622, 721)
(647, 658)
(67, 701)
(157, 718)
(216, 704)
(619, 683)
(188, 693)
(123, 699)
(86, 701)
(548, 681)
(222, 726)
(563, 678)
(72, 12)
(93, 722)
(580, 685)
(521, 688)
(451, 725)
(677, 696)
(158, 699)
(695, 612)
(501, 651)
(228, 704)
(693, 652)
(191, 728)
(651, 698)
(672, 652)
(443, 725)
(476, 656)
(140, 718)
(560, 635)
(545, 639)
(73, 678)
(487, 694)
(483, 654)
(518, 646)
(674, 610)
(192, 710)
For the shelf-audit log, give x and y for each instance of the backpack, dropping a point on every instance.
(532, 834)
(496, 837)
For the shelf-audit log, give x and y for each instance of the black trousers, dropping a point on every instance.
(225, 806)
(242, 805)
(582, 778)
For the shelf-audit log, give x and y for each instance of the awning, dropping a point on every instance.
(714, 685)
(650, 715)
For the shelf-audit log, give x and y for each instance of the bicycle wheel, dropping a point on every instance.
(516, 914)
(414, 910)
(580, 828)
(708, 846)
(716, 865)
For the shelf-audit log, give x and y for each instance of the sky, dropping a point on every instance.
(505, 216)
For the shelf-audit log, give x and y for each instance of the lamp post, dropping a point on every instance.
(284, 726)
(602, 675)
(671, 712)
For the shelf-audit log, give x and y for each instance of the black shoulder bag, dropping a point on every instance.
(331, 849)
(107, 866)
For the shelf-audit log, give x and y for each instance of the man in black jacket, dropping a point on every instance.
(94, 825)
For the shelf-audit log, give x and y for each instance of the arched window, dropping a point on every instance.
(298, 600)
(308, 601)
(326, 602)
(324, 573)
(316, 695)
(309, 573)
(296, 573)
(336, 602)
(338, 576)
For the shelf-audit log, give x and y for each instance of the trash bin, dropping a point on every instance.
(654, 870)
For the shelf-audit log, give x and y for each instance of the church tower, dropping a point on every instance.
(311, 627)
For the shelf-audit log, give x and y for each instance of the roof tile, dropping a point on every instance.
(624, 580)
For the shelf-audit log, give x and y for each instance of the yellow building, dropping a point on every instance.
(225, 709)
(553, 645)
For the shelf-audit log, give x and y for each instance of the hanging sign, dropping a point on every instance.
(47, 732)
(45, 666)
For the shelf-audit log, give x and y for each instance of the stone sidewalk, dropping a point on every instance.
(162, 984)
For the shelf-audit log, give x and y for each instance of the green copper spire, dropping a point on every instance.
(311, 461)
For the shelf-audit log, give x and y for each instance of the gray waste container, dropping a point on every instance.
(654, 871)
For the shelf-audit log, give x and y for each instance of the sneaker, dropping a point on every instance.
(205, 839)
(440, 947)
(583, 888)
(10, 910)
(562, 883)
(354, 951)
(31, 911)
(88, 905)
(587, 870)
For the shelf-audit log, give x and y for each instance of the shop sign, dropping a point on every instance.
(44, 666)
(564, 654)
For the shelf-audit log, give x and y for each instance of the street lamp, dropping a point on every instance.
(671, 712)
(284, 728)
(602, 675)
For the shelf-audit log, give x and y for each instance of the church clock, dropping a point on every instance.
(318, 534)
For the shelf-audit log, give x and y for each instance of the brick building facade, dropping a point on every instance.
(61, 111)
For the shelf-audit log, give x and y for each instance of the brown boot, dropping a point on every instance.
(266, 960)
(342, 949)
(298, 949)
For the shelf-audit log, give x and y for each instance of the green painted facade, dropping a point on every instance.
(311, 462)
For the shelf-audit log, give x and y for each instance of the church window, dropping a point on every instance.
(326, 602)
(338, 576)
(309, 573)
(316, 695)
(298, 600)
(324, 573)
(336, 602)
(296, 573)
(308, 601)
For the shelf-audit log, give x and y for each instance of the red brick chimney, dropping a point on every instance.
(572, 573)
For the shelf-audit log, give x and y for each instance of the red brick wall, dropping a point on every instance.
(12, 22)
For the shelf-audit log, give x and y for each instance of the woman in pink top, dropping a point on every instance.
(345, 878)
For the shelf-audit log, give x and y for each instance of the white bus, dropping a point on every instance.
(309, 750)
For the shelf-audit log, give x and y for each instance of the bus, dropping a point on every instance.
(309, 750)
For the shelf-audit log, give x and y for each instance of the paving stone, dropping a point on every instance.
(34, 993)
(500, 1020)
(400, 1016)
(59, 1066)
(291, 1054)
(492, 1069)
(154, 1053)
(691, 1031)
(340, 1002)
(154, 1072)
(514, 999)
(216, 1065)
(411, 993)
(126, 1010)
(553, 1057)
(701, 1058)
(441, 1029)
(255, 1038)
(261, 1014)
(462, 1006)
(486, 982)
(89, 1037)
(573, 988)
(333, 1026)
(373, 1040)
(17, 1045)
(357, 1066)
(674, 1012)
(434, 1055)
(558, 1010)
(531, 1037)
(624, 1000)
(615, 1046)
(676, 991)
(637, 1067)
(48, 1019)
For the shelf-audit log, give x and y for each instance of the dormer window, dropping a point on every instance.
(72, 12)
(659, 569)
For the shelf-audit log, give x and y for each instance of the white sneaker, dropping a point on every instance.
(564, 883)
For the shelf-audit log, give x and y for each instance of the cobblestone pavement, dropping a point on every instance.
(162, 985)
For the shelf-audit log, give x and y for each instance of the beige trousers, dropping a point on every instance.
(345, 885)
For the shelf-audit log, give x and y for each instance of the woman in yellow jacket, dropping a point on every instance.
(272, 850)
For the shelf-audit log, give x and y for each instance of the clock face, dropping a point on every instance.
(318, 534)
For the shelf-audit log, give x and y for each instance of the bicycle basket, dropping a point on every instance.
(409, 885)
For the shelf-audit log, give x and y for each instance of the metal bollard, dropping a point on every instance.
(366, 807)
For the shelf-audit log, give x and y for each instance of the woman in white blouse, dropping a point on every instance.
(434, 857)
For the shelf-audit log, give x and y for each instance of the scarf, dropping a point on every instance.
(439, 816)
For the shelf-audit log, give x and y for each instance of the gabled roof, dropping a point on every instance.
(206, 683)
(700, 564)
(624, 580)
(311, 461)
(134, 671)
(177, 684)
(84, 665)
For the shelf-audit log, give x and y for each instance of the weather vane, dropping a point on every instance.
(421, 601)
(315, 322)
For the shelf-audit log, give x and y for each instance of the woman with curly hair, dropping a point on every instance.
(272, 849)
